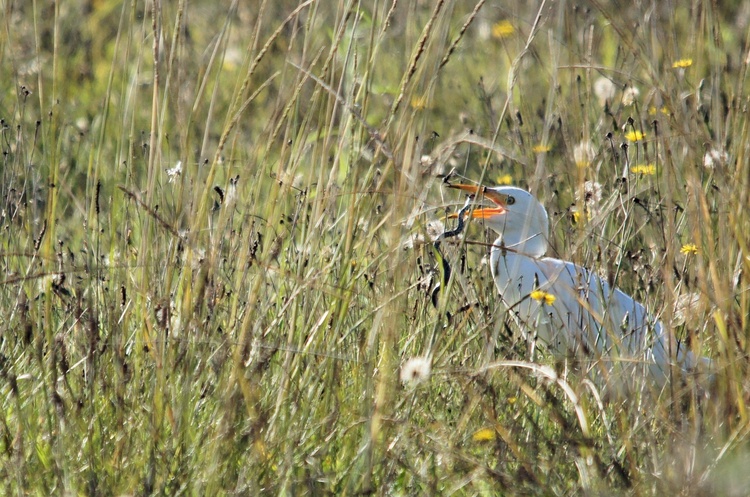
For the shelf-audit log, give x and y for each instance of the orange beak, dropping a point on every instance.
(484, 212)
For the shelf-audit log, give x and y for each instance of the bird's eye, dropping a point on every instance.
(510, 200)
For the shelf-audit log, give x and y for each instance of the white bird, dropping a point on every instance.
(568, 308)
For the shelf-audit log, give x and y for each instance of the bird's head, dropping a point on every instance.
(517, 216)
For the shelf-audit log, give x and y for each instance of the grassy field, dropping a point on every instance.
(217, 261)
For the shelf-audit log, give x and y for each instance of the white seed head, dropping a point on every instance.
(630, 95)
(605, 90)
(714, 158)
(415, 371)
(175, 172)
(592, 193)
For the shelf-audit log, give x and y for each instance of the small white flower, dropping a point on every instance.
(715, 157)
(415, 371)
(630, 95)
(175, 172)
(605, 90)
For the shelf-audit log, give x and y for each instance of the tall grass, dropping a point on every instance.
(216, 250)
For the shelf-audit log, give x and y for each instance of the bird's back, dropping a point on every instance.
(572, 311)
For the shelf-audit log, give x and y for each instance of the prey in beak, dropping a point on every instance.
(499, 199)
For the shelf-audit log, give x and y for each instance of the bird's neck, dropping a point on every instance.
(531, 245)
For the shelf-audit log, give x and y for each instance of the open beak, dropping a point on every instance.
(498, 199)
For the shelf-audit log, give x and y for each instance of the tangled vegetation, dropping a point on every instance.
(217, 264)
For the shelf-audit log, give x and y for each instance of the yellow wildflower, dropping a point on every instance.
(645, 169)
(542, 296)
(682, 63)
(505, 179)
(576, 216)
(634, 136)
(484, 435)
(653, 110)
(541, 149)
(502, 29)
(419, 103)
(689, 248)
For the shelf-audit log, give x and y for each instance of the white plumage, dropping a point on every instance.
(566, 307)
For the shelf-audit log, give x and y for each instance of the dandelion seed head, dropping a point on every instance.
(592, 193)
(630, 95)
(605, 90)
(415, 371)
(714, 158)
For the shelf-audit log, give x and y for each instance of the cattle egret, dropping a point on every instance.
(564, 306)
